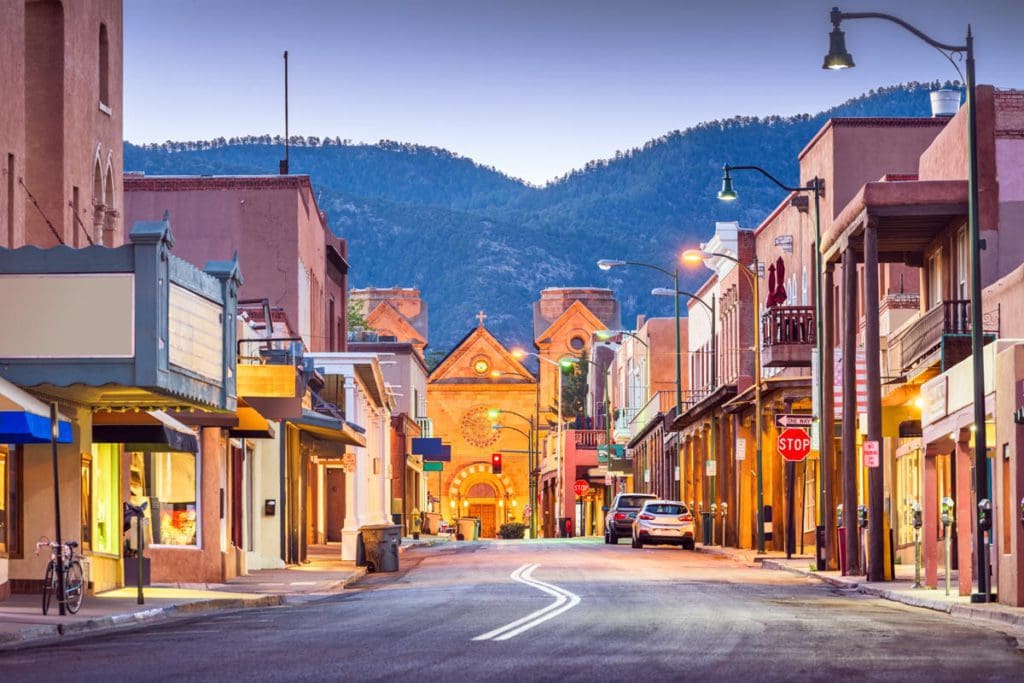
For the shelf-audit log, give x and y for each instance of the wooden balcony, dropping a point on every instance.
(946, 329)
(587, 439)
(787, 337)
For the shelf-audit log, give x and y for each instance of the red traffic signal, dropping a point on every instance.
(496, 463)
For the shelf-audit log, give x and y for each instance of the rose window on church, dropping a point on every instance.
(481, 366)
(476, 427)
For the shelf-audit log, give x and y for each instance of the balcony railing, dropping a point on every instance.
(787, 336)
(426, 426)
(925, 334)
(588, 439)
(659, 402)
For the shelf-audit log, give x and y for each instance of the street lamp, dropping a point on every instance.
(697, 257)
(559, 365)
(493, 414)
(817, 187)
(839, 58)
(608, 264)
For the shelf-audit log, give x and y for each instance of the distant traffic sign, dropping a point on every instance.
(783, 420)
(794, 444)
(580, 487)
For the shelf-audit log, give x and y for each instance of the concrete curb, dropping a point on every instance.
(988, 616)
(36, 635)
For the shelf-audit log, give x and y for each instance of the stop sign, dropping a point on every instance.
(794, 444)
(580, 487)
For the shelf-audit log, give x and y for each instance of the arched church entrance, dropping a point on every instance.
(482, 494)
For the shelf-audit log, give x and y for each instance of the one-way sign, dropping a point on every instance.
(783, 420)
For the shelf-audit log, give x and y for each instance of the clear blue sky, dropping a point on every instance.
(532, 87)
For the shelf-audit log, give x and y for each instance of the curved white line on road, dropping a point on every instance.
(564, 601)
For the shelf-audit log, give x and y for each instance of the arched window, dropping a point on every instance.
(104, 66)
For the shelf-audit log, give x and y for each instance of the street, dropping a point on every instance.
(482, 611)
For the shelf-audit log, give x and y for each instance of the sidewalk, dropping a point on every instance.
(900, 590)
(22, 622)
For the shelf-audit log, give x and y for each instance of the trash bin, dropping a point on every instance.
(468, 528)
(705, 528)
(565, 527)
(380, 544)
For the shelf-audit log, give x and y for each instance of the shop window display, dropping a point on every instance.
(106, 498)
(168, 483)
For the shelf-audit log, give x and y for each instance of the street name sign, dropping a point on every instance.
(794, 444)
(871, 458)
(783, 420)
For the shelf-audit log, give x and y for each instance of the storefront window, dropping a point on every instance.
(169, 483)
(86, 502)
(106, 498)
(908, 492)
(3, 499)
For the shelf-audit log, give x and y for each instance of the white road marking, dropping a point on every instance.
(564, 601)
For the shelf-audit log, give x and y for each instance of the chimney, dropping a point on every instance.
(945, 102)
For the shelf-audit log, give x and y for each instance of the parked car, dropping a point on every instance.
(618, 522)
(663, 522)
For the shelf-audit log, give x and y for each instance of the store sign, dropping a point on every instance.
(934, 394)
(68, 316)
(195, 333)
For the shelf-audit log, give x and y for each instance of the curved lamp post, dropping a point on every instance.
(519, 353)
(495, 414)
(697, 257)
(608, 264)
(662, 291)
(817, 187)
(839, 58)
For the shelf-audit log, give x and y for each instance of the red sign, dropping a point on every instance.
(580, 487)
(794, 444)
(870, 454)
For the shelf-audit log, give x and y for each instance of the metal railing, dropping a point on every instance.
(426, 427)
(588, 439)
(659, 402)
(922, 335)
(787, 325)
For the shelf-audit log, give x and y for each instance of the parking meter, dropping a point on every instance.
(947, 511)
(714, 509)
(700, 507)
(862, 516)
(839, 515)
(725, 506)
(915, 514)
(984, 514)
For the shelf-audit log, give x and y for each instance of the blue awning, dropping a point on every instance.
(26, 419)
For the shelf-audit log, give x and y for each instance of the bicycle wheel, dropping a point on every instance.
(48, 588)
(74, 586)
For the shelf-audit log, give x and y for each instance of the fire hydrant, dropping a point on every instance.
(417, 524)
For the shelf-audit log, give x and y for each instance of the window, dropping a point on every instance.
(810, 495)
(169, 483)
(908, 491)
(86, 501)
(577, 343)
(962, 264)
(3, 499)
(104, 66)
(934, 280)
(330, 324)
(106, 499)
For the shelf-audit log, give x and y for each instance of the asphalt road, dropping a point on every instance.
(612, 613)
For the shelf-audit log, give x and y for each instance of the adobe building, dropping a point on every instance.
(479, 375)
(396, 312)
(61, 123)
(290, 255)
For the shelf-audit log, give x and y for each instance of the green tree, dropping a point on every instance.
(357, 317)
(574, 389)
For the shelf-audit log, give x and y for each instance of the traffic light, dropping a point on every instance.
(496, 463)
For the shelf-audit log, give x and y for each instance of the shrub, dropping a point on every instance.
(512, 530)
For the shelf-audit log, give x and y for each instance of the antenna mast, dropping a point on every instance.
(283, 168)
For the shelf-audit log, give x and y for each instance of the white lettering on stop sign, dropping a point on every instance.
(794, 444)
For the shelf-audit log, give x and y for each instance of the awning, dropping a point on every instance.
(330, 428)
(251, 425)
(26, 419)
(148, 431)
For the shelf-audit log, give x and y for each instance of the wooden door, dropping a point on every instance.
(335, 486)
(485, 511)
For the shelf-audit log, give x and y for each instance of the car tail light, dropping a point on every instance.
(646, 516)
(686, 518)
(620, 516)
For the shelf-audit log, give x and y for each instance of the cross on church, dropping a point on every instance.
(481, 316)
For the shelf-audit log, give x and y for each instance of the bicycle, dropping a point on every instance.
(74, 576)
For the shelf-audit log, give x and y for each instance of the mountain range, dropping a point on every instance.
(472, 238)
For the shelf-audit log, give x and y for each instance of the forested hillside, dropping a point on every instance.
(473, 238)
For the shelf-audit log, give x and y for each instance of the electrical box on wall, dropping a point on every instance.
(269, 507)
